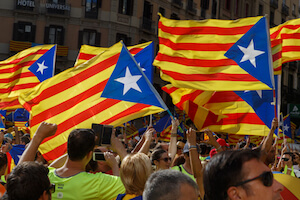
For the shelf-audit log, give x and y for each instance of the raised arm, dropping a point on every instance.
(117, 145)
(44, 130)
(267, 144)
(148, 138)
(195, 161)
(173, 140)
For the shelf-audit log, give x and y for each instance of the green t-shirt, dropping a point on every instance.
(86, 186)
(183, 171)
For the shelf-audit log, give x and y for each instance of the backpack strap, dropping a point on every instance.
(180, 169)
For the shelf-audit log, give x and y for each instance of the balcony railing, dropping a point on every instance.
(147, 24)
(177, 3)
(285, 10)
(274, 4)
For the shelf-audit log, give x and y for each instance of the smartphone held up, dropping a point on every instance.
(103, 134)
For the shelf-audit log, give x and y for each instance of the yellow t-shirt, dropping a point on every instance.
(86, 186)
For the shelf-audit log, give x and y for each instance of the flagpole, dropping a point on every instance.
(169, 112)
(275, 106)
(150, 123)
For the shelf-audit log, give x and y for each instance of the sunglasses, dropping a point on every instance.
(266, 178)
(285, 159)
(166, 159)
(51, 188)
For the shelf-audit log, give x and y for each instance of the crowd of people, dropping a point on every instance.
(147, 169)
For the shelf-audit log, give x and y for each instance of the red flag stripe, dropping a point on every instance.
(6, 104)
(16, 77)
(226, 96)
(16, 61)
(195, 46)
(290, 48)
(18, 87)
(65, 105)
(70, 82)
(84, 115)
(195, 62)
(292, 27)
(17, 67)
(212, 77)
(204, 30)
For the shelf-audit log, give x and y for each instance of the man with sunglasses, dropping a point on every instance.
(240, 174)
(29, 180)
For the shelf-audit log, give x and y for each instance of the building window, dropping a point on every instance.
(247, 10)
(162, 11)
(126, 7)
(290, 83)
(91, 8)
(204, 4)
(272, 19)
(174, 16)
(54, 35)
(214, 9)
(237, 3)
(227, 4)
(89, 37)
(126, 40)
(260, 10)
(147, 16)
(24, 31)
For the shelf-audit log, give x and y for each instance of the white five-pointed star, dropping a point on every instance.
(41, 68)
(129, 81)
(286, 128)
(259, 92)
(143, 69)
(250, 53)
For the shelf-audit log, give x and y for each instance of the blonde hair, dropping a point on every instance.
(134, 172)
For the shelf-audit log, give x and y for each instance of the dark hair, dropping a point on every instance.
(92, 165)
(3, 160)
(156, 155)
(25, 139)
(27, 181)
(165, 185)
(204, 148)
(80, 143)
(225, 170)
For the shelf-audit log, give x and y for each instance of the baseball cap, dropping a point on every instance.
(8, 136)
(186, 148)
(212, 152)
(222, 142)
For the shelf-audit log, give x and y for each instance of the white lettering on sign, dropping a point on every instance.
(57, 6)
(26, 3)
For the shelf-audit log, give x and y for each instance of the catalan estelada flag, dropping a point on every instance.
(23, 71)
(288, 34)
(13, 156)
(192, 54)
(240, 112)
(72, 99)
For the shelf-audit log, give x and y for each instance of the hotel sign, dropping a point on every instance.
(57, 6)
(26, 3)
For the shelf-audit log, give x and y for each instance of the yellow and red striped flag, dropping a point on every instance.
(191, 54)
(87, 52)
(72, 100)
(18, 74)
(289, 35)
(223, 111)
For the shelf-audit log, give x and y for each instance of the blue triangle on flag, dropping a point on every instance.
(43, 68)
(145, 59)
(129, 83)
(261, 102)
(252, 53)
(287, 127)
